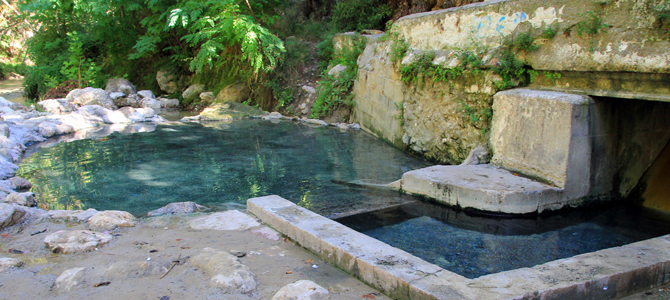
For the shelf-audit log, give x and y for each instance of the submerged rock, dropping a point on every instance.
(110, 219)
(20, 183)
(227, 220)
(301, 290)
(226, 271)
(73, 241)
(177, 208)
(226, 111)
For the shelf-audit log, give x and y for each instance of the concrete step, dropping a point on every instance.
(482, 187)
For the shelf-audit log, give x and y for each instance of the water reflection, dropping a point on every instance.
(217, 164)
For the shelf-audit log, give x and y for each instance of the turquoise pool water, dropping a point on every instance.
(219, 165)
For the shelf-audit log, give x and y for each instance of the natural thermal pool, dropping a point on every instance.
(220, 165)
(474, 245)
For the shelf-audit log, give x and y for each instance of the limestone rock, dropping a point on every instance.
(193, 91)
(6, 103)
(6, 263)
(23, 199)
(226, 111)
(336, 71)
(125, 269)
(131, 100)
(267, 233)
(110, 219)
(301, 290)
(227, 220)
(120, 85)
(177, 208)
(146, 94)
(207, 97)
(10, 214)
(73, 241)
(169, 103)
(20, 183)
(150, 103)
(227, 272)
(310, 90)
(167, 81)
(237, 92)
(56, 106)
(70, 279)
(478, 155)
(90, 96)
(115, 96)
(273, 116)
(72, 215)
(4, 130)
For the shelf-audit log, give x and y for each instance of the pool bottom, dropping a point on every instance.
(474, 245)
(604, 274)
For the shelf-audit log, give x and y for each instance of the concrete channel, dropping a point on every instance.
(605, 274)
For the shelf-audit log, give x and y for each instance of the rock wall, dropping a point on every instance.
(444, 121)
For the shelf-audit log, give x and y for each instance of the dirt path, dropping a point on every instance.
(138, 256)
(12, 90)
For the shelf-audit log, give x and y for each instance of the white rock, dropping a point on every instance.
(273, 116)
(309, 89)
(193, 91)
(267, 233)
(150, 103)
(336, 71)
(120, 85)
(207, 97)
(177, 208)
(301, 290)
(72, 215)
(227, 220)
(73, 241)
(7, 263)
(56, 106)
(110, 219)
(90, 96)
(117, 95)
(226, 271)
(69, 280)
(10, 214)
(146, 94)
(169, 103)
(23, 199)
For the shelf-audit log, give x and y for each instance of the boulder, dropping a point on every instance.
(90, 96)
(227, 220)
(137, 114)
(193, 91)
(74, 241)
(110, 219)
(207, 97)
(226, 271)
(150, 103)
(56, 106)
(131, 100)
(237, 92)
(120, 85)
(23, 199)
(167, 81)
(146, 94)
(72, 215)
(336, 71)
(20, 183)
(226, 111)
(169, 103)
(69, 280)
(115, 96)
(177, 208)
(7, 263)
(301, 290)
(14, 106)
(10, 214)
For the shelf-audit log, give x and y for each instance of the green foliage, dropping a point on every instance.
(550, 31)
(336, 91)
(592, 25)
(401, 113)
(325, 51)
(525, 42)
(398, 49)
(473, 115)
(78, 67)
(514, 72)
(662, 14)
(357, 15)
(552, 75)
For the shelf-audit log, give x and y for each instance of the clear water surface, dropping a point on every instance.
(473, 245)
(220, 165)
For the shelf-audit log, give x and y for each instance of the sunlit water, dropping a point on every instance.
(473, 245)
(219, 166)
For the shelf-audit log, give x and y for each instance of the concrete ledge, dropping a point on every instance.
(605, 274)
(482, 187)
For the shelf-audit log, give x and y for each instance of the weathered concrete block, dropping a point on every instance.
(545, 135)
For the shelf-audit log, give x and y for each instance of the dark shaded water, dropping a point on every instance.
(473, 245)
(220, 166)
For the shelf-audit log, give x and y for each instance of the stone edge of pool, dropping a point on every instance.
(604, 274)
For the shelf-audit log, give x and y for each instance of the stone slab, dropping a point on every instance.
(482, 187)
(606, 274)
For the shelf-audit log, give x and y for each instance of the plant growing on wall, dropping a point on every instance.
(591, 26)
